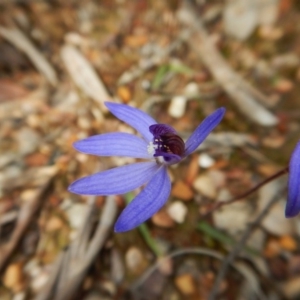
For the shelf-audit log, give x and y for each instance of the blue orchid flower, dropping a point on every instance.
(160, 146)
(293, 202)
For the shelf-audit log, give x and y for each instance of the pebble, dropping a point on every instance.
(239, 212)
(182, 191)
(205, 185)
(162, 219)
(275, 221)
(13, 277)
(39, 281)
(240, 19)
(84, 123)
(177, 107)
(291, 288)
(191, 89)
(124, 93)
(135, 260)
(283, 85)
(19, 296)
(28, 140)
(76, 214)
(272, 248)
(288, 243)
(28, 195)
(185, 283)
(274, 141)
(54, 224)
(205, 161)
(177, 211)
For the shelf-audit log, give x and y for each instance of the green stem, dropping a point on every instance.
(143, 229)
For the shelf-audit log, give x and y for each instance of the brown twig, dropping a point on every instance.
(240, 244)
(73, 263)
(240, 92)
(241, 268)
(249, 192)
(25, 216)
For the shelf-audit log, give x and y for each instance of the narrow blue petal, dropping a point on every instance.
(146, 203)
(115, 181)
(114, 144)
(136, 118)
(293, 202)
(203, 130)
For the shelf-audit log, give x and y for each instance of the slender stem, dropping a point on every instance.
(143, 228)
(249, 192)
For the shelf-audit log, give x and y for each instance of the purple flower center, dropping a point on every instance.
(167, 143)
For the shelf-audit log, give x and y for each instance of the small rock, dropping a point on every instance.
(191, 89)
(124, 93)
(291, 288)
(185, 284)
(166, 266)
(34, 121)
(76, 214)
(205, 185)
(205, 161)
(240, 212)
(275, 221)
(19, 296)
(28, 195)
(274, 141)
(28, 140)
(162, 219)
(240, 18)
(177, 211)
(257, 240)
(182, 191)
(272, 248)
(270, 33)
(218, 177)
(84, 123)
(267, 169)
(39, 281)
(135, 260)
(177, 107)
(283, 85)
(285, 61)
(54, 224)
(36, 159)
(288, 243)
(13, 277)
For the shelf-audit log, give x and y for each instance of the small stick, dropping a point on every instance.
(240, 245)
(249, 192)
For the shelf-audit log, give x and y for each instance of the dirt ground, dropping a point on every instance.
(60, 60)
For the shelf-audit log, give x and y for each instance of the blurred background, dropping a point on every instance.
(178, 61)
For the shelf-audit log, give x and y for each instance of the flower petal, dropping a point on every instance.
(114, 144)
(115, 181)
(136, 118)
(293, 202)
(203, 130)
(169, 158)
(161, 129)
(146, 203)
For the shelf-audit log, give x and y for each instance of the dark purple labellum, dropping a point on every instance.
(167, 143)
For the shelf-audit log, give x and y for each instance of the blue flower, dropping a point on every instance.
(160, 146)
(293, 202)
